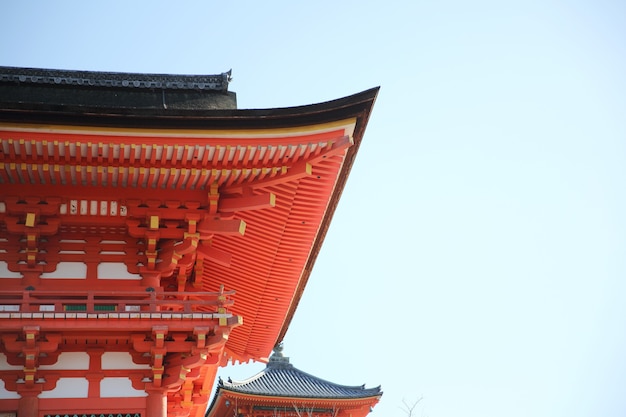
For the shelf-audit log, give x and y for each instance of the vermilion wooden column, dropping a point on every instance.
(28, 405)
(156, 403)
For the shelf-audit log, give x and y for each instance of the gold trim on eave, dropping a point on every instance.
(177, 133)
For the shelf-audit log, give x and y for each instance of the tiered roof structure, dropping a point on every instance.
(150, 232)
(283, 390)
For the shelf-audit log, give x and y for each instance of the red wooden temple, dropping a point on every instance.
(282, 390)
(151, 232)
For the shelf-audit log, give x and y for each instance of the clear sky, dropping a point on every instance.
(477, 257)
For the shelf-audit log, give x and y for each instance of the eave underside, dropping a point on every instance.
(163, 157)
(225, 400)
(269, 266)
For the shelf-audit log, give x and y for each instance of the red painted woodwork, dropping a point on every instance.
(271, 406)
(156, 403)
(28, 405)
(267, 200)
(53, 406)
(199, 217)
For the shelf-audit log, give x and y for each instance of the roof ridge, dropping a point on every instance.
(289, 381)
(217, 82)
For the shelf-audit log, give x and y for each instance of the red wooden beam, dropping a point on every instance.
(252, 202)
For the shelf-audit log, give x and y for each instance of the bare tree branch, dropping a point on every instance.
(410, 407)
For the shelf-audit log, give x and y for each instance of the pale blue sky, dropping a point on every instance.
(477, 255)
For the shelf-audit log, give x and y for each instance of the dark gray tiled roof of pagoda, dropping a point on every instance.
(217, 82)
(281, 379)
(93, 92)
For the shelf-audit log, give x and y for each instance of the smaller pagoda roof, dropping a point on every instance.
(281, 379)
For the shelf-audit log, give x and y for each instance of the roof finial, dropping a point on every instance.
(277, 357)
(278, 349)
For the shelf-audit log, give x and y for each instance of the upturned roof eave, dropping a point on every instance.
(291, 398)
(287, 375)
(365, 101)
(222, 395)
(172, 118)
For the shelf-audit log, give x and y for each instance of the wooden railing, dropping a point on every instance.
(113, 301)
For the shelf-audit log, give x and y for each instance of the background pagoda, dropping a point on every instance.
(282, 390)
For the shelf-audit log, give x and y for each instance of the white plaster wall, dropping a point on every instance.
(115, 270)
(5, 273)
(119, 387)
(68, 388)
(4, 365)
(5, 394)
(70, 360)
(68, 270)
(120, 360)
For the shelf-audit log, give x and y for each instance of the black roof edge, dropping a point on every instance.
(41, 113)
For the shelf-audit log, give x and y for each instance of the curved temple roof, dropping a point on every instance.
(281, 379)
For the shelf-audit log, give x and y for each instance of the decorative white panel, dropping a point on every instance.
(68, 388)
(68, 270)
(120, 360)
(7, 395)
(115, 270)
(119, 387)
(5, 273)
(4, 365)
(70, 360)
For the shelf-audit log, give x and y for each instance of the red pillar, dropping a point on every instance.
(31, 279)
(28, 405)
(151, 279)
(156, 403)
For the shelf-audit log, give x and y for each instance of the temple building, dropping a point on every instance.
(151, 232)
(282, 390)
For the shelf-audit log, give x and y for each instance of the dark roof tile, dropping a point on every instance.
(280, 378)
(217, 82)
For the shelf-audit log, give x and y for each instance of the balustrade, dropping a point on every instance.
(114, 301)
